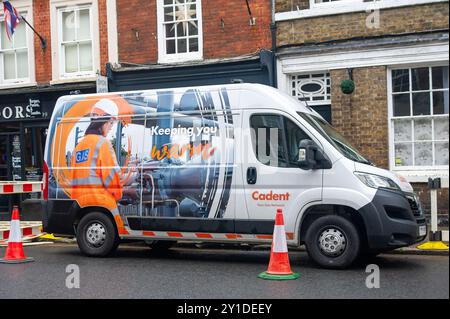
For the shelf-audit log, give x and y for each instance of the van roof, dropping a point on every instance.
(242, 95)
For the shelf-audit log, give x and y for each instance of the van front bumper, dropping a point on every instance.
(393, 220)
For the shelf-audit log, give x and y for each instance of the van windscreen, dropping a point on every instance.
(335, 138)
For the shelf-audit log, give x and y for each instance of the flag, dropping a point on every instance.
(12, 18)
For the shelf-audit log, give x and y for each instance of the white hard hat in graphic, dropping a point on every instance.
(105, 107)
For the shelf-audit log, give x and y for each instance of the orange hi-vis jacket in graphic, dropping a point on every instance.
(96, 176)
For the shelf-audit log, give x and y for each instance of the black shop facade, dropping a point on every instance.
(24, 119)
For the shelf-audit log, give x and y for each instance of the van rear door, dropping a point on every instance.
(272, 178)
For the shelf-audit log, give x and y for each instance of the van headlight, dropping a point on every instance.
(377, 181)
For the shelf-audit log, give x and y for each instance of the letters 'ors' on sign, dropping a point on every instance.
(17, 112)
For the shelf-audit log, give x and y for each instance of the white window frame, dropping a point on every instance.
(415, 171)
(62, 44)
(311, 80)
(346, 6)
(25, 8)
(163, 57)
(56, 9)
(339, 3)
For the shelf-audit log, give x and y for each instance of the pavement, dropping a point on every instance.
(191, 272)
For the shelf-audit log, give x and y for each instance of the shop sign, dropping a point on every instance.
(102, 84)
(16, 158)
(17, 112)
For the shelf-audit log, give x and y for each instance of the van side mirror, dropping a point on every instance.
(312, 157)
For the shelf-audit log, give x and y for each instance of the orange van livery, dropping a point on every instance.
(81, 109)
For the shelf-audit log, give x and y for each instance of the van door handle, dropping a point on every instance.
(251, 175)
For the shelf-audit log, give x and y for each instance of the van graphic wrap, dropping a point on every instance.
(214, 163)
(152, 154)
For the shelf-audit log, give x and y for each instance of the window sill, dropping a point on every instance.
(335, 9)
(179, 59)
(422, 176)
(16, 85)
(74, 80)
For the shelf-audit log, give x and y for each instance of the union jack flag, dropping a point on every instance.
(12, 18)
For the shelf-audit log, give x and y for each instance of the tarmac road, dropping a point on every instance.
(137, 272)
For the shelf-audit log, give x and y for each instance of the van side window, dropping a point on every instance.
(275, 140)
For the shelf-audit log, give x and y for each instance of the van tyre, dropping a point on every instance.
(97, 235)
(333, 242)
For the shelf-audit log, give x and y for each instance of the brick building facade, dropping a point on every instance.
(169, 43)
(396, 53)
(226, 31)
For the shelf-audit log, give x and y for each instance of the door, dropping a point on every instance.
(5, 173)
(10, 169)
(33, 154)
(272, 178)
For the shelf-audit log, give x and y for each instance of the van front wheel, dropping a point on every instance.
(96, 235)
(333, 242)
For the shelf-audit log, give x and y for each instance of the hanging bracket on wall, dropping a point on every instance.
(350, 73)
(252, 20)
(43, 41)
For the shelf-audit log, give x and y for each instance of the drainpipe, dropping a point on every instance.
(273, 33)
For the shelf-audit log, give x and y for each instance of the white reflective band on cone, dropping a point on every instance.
(279, 240)
(15, 235)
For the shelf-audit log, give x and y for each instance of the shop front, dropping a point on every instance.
(258, 68)
(24, 119)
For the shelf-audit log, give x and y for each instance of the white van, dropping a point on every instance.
(213, 164)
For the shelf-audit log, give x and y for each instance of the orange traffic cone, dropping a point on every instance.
(279, 266)
(14, 252)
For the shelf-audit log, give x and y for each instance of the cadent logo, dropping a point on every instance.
(270, 196)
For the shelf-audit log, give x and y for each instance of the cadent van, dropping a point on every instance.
(214, 164)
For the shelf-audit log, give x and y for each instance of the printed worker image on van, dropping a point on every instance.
(212, 164)
(95, 151)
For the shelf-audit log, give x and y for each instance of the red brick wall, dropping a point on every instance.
(137, 32)
(237, 37)
(234, 39)
(43, 58)
(103, 32)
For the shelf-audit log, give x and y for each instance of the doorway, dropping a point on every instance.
(10, 169)
(21, 159)
(33, 156)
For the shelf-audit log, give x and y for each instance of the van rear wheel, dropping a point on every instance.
(97, 235)
(333, 242)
